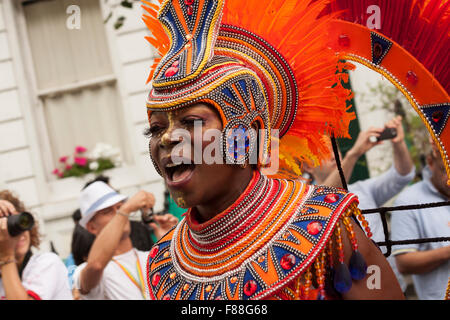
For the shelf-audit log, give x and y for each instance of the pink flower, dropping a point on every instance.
(63, 159)
(68, 167)
(80, 149)
(80, 161)
(56, 171)
(60, 174)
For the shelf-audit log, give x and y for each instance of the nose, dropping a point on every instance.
(169, 140)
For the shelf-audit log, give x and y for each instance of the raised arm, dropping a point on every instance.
(108, 239)
(361, 146)
(402, 159)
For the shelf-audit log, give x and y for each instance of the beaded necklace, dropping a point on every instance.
(259, 247)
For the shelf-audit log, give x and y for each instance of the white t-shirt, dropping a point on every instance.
(115, 284)
(419, 224)
(45, 277)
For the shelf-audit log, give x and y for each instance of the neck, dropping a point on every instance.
(210, 210)
(20, 260)
(125, 245)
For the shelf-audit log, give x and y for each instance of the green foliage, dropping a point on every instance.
(77, 170)
(128, 4)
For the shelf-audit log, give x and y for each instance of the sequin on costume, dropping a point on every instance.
(273, 234)
(278, 240)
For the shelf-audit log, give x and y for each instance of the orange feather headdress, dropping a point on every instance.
(269, 64)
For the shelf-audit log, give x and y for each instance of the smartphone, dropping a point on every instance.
(387, 133)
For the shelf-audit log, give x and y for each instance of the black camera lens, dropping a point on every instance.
(19, 223)
(147, 217)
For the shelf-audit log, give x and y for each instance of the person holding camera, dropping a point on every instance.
(373, 192)
(114, 269)
(25, 275)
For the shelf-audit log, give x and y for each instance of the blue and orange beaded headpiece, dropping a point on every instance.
(269, 66)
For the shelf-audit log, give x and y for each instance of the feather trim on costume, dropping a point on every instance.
(419, 26)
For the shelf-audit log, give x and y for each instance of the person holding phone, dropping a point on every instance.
(376, 191)
(373, 192)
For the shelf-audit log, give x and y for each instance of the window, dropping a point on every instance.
(75, 82)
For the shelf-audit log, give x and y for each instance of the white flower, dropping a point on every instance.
(106, 151)
(93, 165)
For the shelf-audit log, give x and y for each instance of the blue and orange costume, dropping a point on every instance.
(275, 67)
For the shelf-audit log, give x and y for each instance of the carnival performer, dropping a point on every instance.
(251, 73)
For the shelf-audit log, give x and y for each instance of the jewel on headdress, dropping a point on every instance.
(344, 41)
(172, 70)
(437, 116)
(412, 78)
(377, 50)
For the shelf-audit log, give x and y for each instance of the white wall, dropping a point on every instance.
(21, 164)
(371, 114)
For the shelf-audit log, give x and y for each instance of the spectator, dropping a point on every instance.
(142, 236)
(114, 268)
(25, 275)
(374, 192)
(428, 263)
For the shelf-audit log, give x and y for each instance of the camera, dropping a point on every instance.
(147, 217)
(19, 223)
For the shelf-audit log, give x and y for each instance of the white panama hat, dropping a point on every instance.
(95, 197)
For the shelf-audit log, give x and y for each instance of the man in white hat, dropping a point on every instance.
(114, 269)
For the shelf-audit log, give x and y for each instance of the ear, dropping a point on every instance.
(91, 227)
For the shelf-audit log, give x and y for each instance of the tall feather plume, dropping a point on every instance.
(419, 26)
(299, 31)
(158, 39)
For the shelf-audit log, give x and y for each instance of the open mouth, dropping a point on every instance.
(177, 174)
